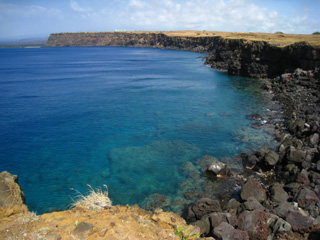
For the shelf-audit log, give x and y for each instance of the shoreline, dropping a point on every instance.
(289, 207)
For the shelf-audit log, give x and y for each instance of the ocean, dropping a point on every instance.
(130, 118)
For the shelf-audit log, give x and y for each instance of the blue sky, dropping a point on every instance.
(39, 18)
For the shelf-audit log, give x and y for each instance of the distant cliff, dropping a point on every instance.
(258, 59)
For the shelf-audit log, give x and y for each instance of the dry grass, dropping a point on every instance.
(95, 200)
(277, 39)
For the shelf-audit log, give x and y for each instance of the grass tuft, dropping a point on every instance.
(96, 199)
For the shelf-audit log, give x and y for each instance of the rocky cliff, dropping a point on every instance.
(237, 56)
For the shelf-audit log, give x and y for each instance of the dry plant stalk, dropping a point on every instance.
(96, 200)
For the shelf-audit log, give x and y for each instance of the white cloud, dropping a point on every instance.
(75, 7)
(222, 15)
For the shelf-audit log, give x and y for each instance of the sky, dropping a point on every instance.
(38, 18)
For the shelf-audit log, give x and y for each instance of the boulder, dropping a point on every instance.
(226, 232)
(251, 204)
(302, 178)
(204, 225)
(217, 218)
(278, 194)
(253, 188)
(314, 140)
(295, 156)
(202, 207)
(283, 209)
(306, 197)
(281, 225)
(255, 223)
(292, 188)
(299, 222)
(251, 161)
(271, 158)
(218, 169)
(232, 206)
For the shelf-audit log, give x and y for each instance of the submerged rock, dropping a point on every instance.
(156, 200)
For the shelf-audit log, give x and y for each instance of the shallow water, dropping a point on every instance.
(131, 118)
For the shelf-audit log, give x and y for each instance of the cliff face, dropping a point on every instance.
(257, 59)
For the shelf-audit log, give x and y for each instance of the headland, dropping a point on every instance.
(280, 191)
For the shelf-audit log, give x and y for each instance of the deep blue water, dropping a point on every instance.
(125, 117)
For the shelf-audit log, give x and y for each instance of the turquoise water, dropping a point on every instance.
(130, 118)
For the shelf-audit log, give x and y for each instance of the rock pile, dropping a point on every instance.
(289, 206)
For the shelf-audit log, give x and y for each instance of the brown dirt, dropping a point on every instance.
(118, 222)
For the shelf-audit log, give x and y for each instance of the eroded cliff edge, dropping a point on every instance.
(237, 56)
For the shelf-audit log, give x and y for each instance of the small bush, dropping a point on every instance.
(96, 200)
(316, 33)
(279, 33)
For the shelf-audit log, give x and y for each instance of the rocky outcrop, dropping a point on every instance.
(12, 199)
(117, 222)
(258, 59)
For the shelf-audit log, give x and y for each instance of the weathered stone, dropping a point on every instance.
(232, 206)
(283, 209)
(204, 225)
(202, 207)
(12, 199)
(252, 204)
(314, 140)
(82, 230)
(296, 126)
(156, 200)
(226, 232)
(299, 222)
(52, 236)
(302, 178)
(271, 158)
(281, 226)
(306, 197)
(205, 161)
(253, 188)
(294, 155)
(278, 194)
(251, 161)
(292, 188)
(255, 223)
(11, 192)
(217, 218)
(217, 169)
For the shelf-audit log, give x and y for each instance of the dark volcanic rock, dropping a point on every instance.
(217, 218)
(156, 200)
(226, 232)
(201, 208)
(253, 188)
(278, 194)
(294, 155)
(271, 158)
(299, 222)
(251, 204)
(255, 223)
(306, 197)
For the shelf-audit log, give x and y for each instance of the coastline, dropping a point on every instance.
(294, 166)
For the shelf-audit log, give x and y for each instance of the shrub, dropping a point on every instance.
(96, 200)
(316, 33)
(279, 33)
